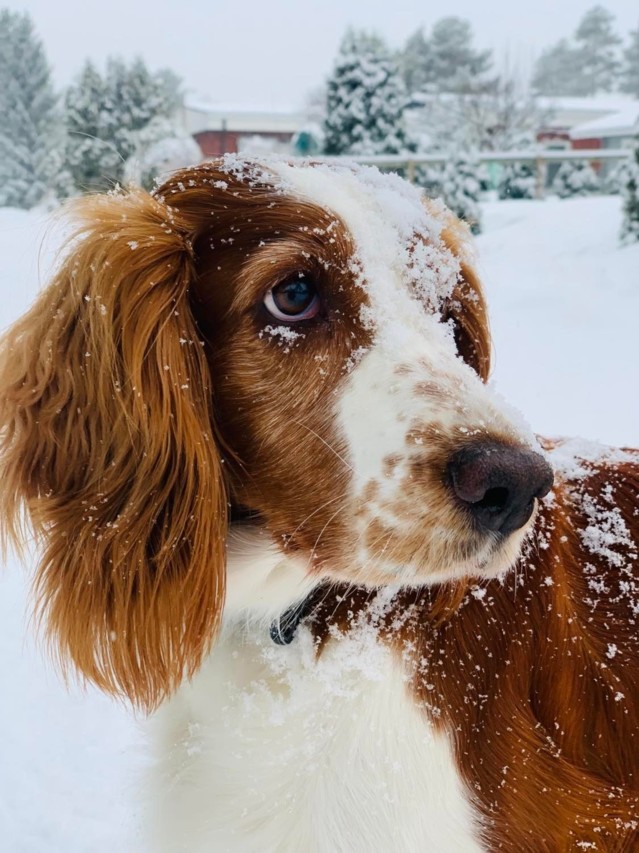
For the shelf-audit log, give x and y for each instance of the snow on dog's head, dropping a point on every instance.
(302, 348)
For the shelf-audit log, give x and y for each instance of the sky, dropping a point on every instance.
(274, 52)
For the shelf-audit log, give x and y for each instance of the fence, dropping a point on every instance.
(539, 157)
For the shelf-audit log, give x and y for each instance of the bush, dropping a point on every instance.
(575, 178)
(630, 224)
(518, 180)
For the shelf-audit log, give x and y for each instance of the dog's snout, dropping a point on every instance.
(498, 484)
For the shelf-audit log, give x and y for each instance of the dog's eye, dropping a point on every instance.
(294, 299)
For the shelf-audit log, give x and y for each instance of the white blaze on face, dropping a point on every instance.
(406, 284)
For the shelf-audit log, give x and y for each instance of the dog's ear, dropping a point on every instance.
(466, 306)
(107, 442)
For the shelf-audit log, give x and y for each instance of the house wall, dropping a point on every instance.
(587, 143)
(216, 142)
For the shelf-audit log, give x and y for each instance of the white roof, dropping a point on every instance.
(594, 104)
(623, 122)
(203, 113)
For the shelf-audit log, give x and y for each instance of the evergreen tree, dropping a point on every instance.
(446, 61)
(588, 65)
(575, 178)
(456, 65)
(106, 115)
(630, 69)
(91, 155)
(31, 130)
(416, 63)
(597, 45)
(365, 100)
(630, 224)
(557, 71)
(517, 181)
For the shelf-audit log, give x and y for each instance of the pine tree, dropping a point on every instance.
(31, 130)
(630, 69)
(557, 71)
(456, 65)
(597, 45)
(446, 61)
(365, 100)
(106, 115)
(588, 65)
(630, 224)
(416, 63)
(517, 181)
(575, 178)
(91, 154)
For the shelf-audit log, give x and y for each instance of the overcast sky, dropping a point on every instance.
(272, 52)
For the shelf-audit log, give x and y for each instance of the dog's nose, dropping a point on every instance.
(498, 484)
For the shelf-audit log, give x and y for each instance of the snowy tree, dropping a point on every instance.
(630, 224)
(630, 69)
(617, 178)
(446, 61)
(517, 181)
(598, 46)
(31, 133)
(91, 154)
(557, 71)
(365, 100)
(575, 178)
(106, 114)
(504, 118)
(458, 184)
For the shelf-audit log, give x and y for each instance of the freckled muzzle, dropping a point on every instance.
(498, 484)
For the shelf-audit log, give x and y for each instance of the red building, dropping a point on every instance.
(220, 129)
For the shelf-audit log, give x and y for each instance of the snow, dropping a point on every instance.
(564, 298)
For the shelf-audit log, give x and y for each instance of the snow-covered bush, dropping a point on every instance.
(365, 100)
(458, 184)
(630, 224)
(517, 181)
(160, 147)
(616, 179)
(575, 178)
(31, 130)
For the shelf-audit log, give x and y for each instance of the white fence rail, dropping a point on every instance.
(539, 157)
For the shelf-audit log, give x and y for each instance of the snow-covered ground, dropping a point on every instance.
(564, 301)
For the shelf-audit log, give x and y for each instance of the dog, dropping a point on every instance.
(278, 504)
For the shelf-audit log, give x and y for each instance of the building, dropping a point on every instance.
(220, 128)
(604, 121)
(613, 130)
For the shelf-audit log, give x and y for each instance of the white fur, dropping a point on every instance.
(270, 750)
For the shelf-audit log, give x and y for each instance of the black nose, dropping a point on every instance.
(498, 484)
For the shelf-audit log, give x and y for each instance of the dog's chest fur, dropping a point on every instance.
(270, 749)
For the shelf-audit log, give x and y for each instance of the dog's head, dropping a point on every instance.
(305, 347)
